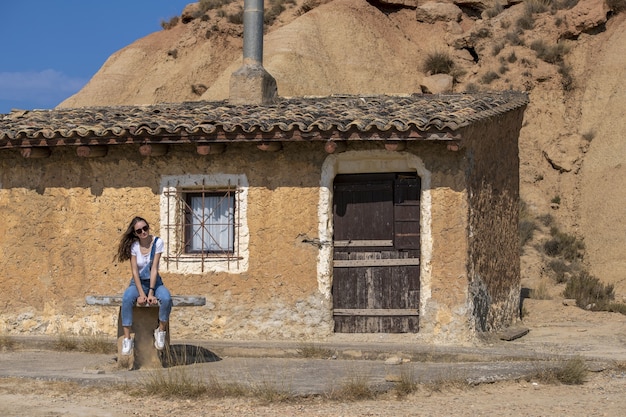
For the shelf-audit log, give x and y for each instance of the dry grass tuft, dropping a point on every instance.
(97, 344)
(313, 351)
(572, 372)
(7, 342)
(438, 63)
(65, 343)
(355, 388)
(407, 384)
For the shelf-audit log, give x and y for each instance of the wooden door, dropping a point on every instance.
(376, 253)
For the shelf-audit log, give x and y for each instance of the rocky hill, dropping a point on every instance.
(569, 55)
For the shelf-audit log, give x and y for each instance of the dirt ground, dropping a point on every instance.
(554, 328)
(604, 394)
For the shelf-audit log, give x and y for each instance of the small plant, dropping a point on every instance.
(212, 4)
(572, 372)
(546, 219)
(7, 342)
(307, 6)
(541, 292)
(495, 10)
(438, 63)
(563, 245)
(567, 80)
(552, 54)
(174, 383)
(406, 385)
(556, 200)
(589, 292)
(537, 6)
(497, 47)
(471, 88)
(236, 18)
(354, 388)
(314, 351)
(489, 77)
(66, 343)
(559, 269)
(511, 58)
(616, 308)
(97, 344)
(525, 22)
(514, 39)
(170, 23)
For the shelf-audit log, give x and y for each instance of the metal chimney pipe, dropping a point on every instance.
(253, 31)
(251, 83)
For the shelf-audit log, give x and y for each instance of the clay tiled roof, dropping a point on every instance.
(338, 117)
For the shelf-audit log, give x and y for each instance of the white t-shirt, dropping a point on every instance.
(143, 261)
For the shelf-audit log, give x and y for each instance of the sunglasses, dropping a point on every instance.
(142, 229)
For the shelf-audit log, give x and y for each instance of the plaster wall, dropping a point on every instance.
(63, 217)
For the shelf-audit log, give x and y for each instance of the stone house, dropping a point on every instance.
(303, 218)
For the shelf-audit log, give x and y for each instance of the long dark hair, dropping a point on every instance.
(128, 238)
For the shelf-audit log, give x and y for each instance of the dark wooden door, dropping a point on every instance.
(376, 253)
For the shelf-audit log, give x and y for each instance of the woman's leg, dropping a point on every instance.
(165, 305)
(128, 301)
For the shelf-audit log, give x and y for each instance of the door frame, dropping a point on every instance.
(361, 162)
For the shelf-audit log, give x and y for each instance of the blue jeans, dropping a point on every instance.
(132, 293)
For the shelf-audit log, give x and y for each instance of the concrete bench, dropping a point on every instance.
(145, 320)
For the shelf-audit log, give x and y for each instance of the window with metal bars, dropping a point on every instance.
(209, 222)
(204, 223)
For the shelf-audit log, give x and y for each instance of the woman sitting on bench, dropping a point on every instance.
(146, 286)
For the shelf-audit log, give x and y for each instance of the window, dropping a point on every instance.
(203, 223)
(210, 222)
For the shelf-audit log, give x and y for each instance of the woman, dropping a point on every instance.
(144, 251)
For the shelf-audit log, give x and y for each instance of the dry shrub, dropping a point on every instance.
(355, 388)
(313, 351)
(560, 270)
(407, 384)
(541, 292)
(525, 22)
(588, 291)
(236, 18)
(438, 63)
(170, 23)
(97, 344)
(213, 4)
(174, 383)
(495, 10)
(552, 54)
(537, 6)
(489, 77)
(66, 343)
(7, 342)
(563, 245)
(572, 372)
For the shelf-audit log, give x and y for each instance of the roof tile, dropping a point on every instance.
(417, 112)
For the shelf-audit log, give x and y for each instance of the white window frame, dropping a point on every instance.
(175, 188)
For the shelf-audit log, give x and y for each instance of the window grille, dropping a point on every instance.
(204, 226)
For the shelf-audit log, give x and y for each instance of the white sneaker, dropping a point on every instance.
(127, 346)
(159, 339)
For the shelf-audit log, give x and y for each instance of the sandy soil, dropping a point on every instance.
(604, 394)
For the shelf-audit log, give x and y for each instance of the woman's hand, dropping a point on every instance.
(152, 299)
(142, 299)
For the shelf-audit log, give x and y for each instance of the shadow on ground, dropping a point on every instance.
(179, 355)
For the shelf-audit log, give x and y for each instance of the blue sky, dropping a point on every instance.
(51, 48)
